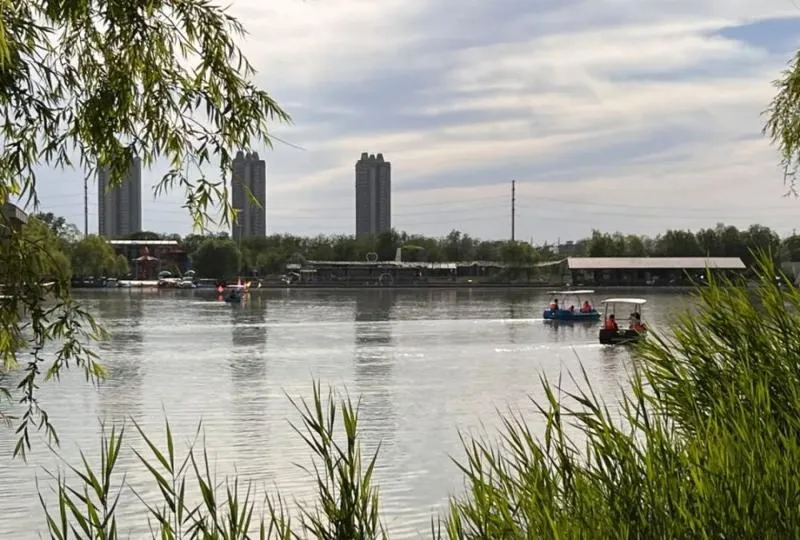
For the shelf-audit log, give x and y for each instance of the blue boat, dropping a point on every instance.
(572, 311)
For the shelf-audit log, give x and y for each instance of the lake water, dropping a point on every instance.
(425, 363)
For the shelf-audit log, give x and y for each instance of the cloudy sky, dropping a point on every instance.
(623, 115)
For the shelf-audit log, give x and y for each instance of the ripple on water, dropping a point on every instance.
(425, 364)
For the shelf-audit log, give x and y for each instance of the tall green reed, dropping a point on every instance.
(703, 444)
(347, 505)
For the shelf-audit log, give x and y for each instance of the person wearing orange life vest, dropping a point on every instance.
(554, 305)
(636, 323)
(586, 308)
(611, 323)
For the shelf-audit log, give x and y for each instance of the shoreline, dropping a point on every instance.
(599, 289)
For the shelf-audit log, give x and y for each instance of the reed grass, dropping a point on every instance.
(704, 444)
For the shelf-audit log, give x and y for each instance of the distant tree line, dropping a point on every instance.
(219, 256)
(268, 255)
(67, 253)
(720, 241)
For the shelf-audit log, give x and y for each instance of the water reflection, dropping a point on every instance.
(121, 392)
(571, 331)
(518, 308)
(374, 358)
(614, 362)
(427, 363)
(248, 367)
(249, 323)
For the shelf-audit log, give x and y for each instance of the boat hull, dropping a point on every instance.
(619, 337)
(566, 315)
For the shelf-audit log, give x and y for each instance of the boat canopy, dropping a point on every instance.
(567, 293)
(637, 301)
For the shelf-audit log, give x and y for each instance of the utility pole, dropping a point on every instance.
(85, 206)
(513, 206)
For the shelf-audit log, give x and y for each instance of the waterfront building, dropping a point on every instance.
(373, 195)
(13, 217)
(120, 208)
(249, 173)
(149, 257)
(622, 271)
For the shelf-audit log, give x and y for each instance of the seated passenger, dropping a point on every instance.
(636, 324)
(554, 305)
(572, 309)
(611, 323)
(586, 307)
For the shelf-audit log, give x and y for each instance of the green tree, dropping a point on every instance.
(145, 235)
(218, 258)
(488, 251)
(65, 230)
(783, 121)
(121, 266)
(604, 245)
(93, 256)
(677, 243)
(458, 246)
(518, 253)
(635, 246)
(191, 242)
(790, 248)
(95, 83)
(386, 244)
(48, 258)
(758, 238)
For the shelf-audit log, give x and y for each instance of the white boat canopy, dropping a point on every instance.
(637, 301)
(573, 293)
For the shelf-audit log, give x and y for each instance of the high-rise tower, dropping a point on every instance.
(249, 172)
(120, 208)
(373, 195)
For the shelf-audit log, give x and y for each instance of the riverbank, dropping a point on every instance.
(654, 289)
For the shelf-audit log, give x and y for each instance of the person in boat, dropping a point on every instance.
(554, 305)
(636, 323)
(586, 307)
(611, 323)
(572, 309)
(234, 295)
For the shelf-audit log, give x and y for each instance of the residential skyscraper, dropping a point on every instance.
(373, 195)
(249, 172)
(120, 208)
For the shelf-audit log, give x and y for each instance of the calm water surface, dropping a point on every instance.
(425, 363)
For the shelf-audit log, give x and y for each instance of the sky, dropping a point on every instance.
(618, 115)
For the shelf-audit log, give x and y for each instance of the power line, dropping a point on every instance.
(716, 217)
(645, 207)
(461, 201)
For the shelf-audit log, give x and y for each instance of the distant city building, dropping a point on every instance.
(373, 195)
(120, 208)
(249, 172)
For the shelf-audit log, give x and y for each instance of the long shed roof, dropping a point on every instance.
(654, 263)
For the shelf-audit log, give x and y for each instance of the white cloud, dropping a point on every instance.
(588, 76)
(299, 44)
